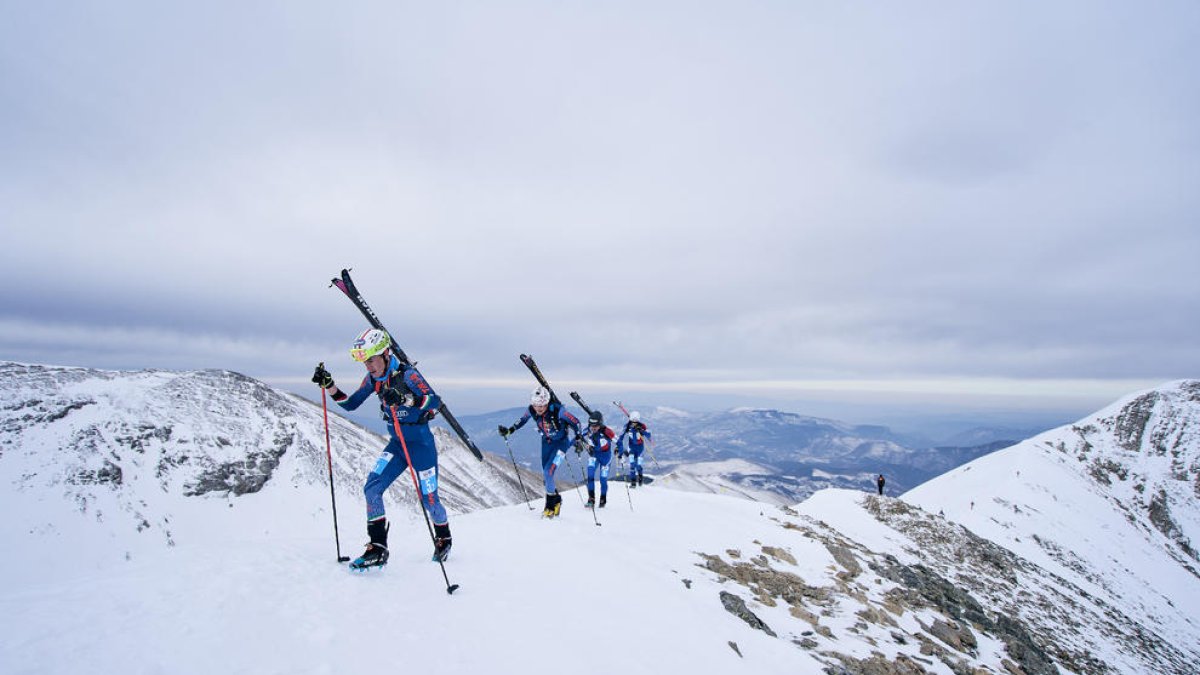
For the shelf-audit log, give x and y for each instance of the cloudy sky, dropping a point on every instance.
(995, 204)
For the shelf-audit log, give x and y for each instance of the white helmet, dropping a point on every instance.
(635, 416)
(540, 396)
(370, 342)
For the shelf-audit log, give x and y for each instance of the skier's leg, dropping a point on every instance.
(388, 467)
(423, 452)
(552, 457)
(603, 461)
(424, 457)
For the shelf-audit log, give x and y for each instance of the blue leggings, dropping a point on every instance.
(602, 459)
(392, 463)
(635, 461)
(552, 457)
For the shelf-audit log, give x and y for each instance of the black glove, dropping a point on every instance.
(322, 378)
(505, 432)
(396, 397)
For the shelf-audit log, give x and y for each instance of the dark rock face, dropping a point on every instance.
(1160, 515)
(1131, 422)
(108, 473)
(238, 478)
(737, 607)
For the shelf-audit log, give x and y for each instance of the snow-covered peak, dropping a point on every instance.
(1110, 503)
(91, 456)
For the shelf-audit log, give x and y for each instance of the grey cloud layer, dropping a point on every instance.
(779, 191)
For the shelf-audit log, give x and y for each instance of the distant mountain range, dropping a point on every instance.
(781, 457)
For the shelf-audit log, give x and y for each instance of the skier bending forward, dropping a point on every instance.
(552, 423)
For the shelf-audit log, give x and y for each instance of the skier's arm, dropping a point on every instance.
(606, 440)
(572, 421)
(505, 432)
(356, 399)
(425, 400)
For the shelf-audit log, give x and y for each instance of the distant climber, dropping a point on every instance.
(879, 482)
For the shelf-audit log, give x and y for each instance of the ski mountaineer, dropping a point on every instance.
(599, 442)
(552, 423)
(638, 436)
(407, 402)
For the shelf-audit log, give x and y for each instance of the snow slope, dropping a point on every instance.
(236, 572)
(258, 601)
(1111, 503)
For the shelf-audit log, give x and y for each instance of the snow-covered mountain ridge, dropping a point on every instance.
(137, 451)
(1110, 503)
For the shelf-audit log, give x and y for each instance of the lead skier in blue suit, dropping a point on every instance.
(552, 422)
(407, 403)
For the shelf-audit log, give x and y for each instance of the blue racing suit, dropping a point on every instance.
(639, 435)
(600, 447)
(414, 439)
(552, 425)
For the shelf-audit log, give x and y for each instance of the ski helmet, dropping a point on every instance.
(635, 416)
(596, 417)
(540, 396)
(370, 343)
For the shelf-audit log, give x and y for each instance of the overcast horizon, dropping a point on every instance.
(953, 209)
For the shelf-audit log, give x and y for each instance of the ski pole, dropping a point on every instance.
(571, 466)
(450, 588)
(583, 474)
(518, 472)
(628, 492)
(329, 459)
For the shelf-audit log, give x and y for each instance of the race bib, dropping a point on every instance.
(382, 462)
(428, 480)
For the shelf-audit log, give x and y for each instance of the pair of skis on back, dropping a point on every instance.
(346, 285)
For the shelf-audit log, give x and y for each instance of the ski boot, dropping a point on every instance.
(591, 502)
(548, 512)
(441, 542)
(632, 481)
(556, 505)
(376, 554)
(603, 500)
(641, 479)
